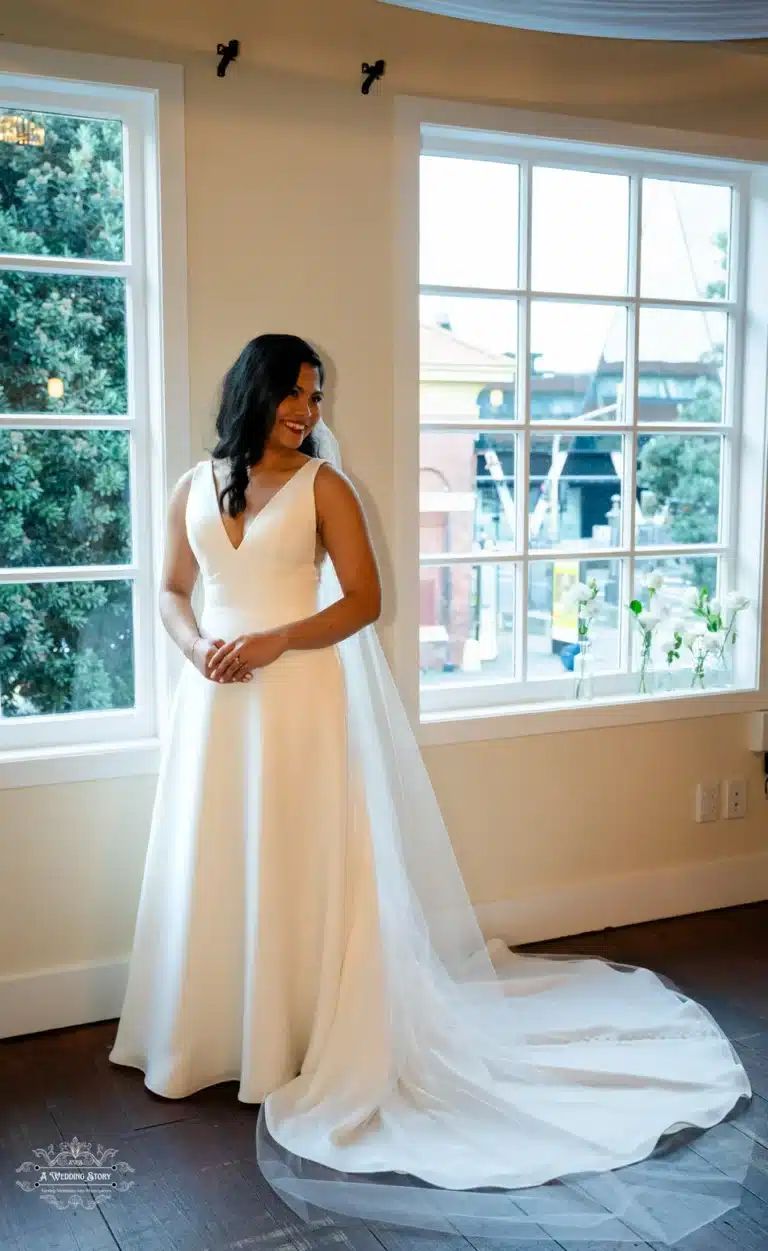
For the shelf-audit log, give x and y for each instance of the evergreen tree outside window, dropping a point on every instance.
(78, 406)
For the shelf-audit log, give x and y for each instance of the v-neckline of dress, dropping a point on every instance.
(256, 516)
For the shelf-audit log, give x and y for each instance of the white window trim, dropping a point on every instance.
(748, 158)
(155, 100)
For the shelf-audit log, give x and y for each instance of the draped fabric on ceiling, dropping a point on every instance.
(693, 20)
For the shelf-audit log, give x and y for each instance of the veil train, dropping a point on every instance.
(509, 1104)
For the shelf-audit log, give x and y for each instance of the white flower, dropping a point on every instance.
(589, 610)
(581, 592)
(649, 620)
(691, 597)
(671, 635)
(693, 635)
(715, 607)
(736, 601)
(712, 642)
(654, 580)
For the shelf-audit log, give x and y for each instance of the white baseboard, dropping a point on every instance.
(55, 998)
(81, 994)
(627, 900)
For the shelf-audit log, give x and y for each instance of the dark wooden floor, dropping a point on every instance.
(196, 1183)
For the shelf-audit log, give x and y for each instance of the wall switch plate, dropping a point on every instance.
(708, 801)
(735, 799)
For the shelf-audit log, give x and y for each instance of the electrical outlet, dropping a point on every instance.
(735, 799)
(708, 801)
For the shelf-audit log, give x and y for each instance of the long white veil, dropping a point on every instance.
(471, 1010)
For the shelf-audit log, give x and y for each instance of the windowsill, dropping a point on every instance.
(78, 762)
(519, 721)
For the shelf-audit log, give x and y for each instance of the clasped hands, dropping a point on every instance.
(232, 662)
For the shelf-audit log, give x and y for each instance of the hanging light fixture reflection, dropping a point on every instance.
(21, 131)
(55, 388)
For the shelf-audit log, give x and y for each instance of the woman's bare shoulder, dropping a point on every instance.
(333, 481)
(180, 493)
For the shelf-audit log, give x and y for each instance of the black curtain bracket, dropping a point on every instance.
(372, 73)
(228, 52)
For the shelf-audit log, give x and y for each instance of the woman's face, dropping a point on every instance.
(299, 412)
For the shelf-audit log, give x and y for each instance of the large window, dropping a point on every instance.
(80, 336)
(582, 319)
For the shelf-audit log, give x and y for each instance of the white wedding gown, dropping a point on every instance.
(304, 930)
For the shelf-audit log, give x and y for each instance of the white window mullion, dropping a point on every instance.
(44, 421)
(67, 573)
(747, 564)
(734, 362)
(145, 623)
(523, 440)
(542, 555)
(66, 265)
(572, 426)
(631, 417)
(574, 297)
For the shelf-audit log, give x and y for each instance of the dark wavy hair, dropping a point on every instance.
(265, 372)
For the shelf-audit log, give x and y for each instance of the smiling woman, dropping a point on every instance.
(270, 402)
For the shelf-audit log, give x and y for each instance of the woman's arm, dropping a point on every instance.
(344, 535)
(180, 571)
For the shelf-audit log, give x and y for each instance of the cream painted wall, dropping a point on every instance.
(290, 204)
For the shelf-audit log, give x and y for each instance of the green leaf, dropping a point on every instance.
(636, 607)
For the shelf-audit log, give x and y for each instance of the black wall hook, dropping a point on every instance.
(372, 73)
(228, 52)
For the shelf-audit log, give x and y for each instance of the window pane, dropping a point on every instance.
(469, 222)
(62, 185)
(680, 574)
(575, 490)
(678, 489)
(468, 357)
(552, 624)
(685, 236)
(580, 232)
(466, 491)
(65, 497)
(680, 374)
(577, 361)
(65, 647)
(62, 344)
(466, 622)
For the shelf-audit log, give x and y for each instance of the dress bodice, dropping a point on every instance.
(272, 577)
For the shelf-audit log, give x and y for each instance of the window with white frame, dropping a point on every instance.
(583, 347)
(79, 331)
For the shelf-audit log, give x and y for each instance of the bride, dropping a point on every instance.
(303, 927)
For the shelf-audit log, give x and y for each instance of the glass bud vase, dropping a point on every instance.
(665, 680)
(646, 678)
(719, 676)
(582, 670)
